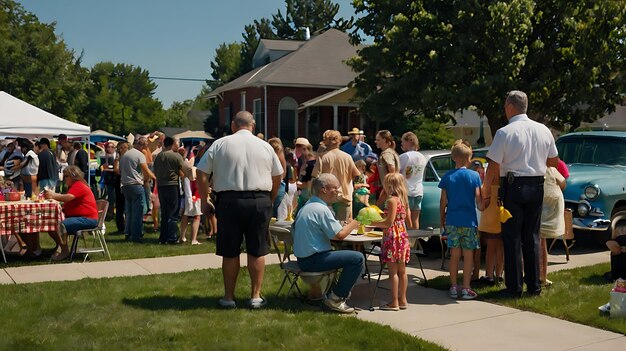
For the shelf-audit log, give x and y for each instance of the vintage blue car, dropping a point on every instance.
(596, 188)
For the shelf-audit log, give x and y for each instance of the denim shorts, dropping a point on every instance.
(74, 224)
(465, 238)
(415, 202)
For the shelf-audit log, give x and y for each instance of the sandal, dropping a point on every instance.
(386, 307)
(403, 307)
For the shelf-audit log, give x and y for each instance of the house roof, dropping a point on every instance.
(282, 45)
(342, 97)
(319, 63)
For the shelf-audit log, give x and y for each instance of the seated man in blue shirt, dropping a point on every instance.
(315, 226)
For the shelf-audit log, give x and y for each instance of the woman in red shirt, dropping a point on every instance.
(79, 206)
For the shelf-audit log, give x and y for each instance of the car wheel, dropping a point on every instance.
(618, 221)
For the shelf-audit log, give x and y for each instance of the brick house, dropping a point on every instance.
(297, 88)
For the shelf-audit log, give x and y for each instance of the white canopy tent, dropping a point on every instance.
(21, 119)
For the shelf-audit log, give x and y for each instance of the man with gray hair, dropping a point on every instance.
(519, 156)
(315, 226)
(246, 175)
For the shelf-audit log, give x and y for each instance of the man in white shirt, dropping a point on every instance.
(246, 176)
(520, 154)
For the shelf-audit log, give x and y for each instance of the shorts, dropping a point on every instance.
(490, 236)
(243, 215)
(465, 238)
(49, 183)
(415, 202)
(74, 224)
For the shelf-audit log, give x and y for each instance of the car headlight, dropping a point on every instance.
(592, 192)
(583, 209)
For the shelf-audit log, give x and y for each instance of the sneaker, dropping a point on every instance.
(227, 303)
(337, 304)
(257, 302)
(454, 291)
(468, 294)
(605, 309)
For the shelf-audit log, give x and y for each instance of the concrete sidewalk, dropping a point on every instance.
(432, 315)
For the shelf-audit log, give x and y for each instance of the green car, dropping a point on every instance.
(596, 187)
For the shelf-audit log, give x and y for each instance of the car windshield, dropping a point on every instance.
(598, 150)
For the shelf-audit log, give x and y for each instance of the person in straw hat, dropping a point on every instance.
(356, 148)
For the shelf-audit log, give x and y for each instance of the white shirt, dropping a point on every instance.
(522, 147)
(412, 165)
(241, 162)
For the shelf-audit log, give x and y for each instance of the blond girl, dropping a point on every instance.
(396, 249)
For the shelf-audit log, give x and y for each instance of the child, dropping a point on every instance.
(460, 192)
(191, 210)
(360, 197)
(396, 249)
(490, 229)
(289, 201)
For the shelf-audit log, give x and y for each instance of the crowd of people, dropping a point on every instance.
(242, 181)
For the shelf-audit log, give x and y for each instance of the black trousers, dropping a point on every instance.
(169, 198)
(120, 223)
(618, 262)
(520, 234)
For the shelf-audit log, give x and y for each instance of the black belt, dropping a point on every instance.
(243, 194)
(521, 180)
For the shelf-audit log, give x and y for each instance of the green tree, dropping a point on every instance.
(316, 15)
(122, 101)
(36, 66)
(437, 57)
(226, 64)
(177, 114)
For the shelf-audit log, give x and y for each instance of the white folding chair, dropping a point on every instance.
(98, 244)
(291, 268)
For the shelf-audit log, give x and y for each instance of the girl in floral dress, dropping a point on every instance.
(396, 249)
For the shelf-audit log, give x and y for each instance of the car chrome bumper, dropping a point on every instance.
(591, 224)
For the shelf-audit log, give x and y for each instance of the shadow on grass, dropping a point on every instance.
(595, 279)
(186, 303)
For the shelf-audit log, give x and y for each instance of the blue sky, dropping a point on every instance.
(169, 38)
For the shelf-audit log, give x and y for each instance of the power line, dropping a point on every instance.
(183, 79)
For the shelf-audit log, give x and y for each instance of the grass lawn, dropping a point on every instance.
(575, 295)
(121, 250)
(178, 312)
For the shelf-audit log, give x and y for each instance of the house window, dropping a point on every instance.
(227, 116)
(287, 113)
(259, 117)
(243, 101)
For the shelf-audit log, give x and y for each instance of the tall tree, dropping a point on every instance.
(316, 15)
(36, 66)
(122, 100)
(226, 64)
(436, 57)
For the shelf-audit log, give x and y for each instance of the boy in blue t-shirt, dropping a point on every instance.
(460, 194)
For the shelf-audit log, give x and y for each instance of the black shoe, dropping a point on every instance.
(535, 292)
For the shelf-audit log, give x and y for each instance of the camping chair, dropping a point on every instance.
(568, 235)
(99, 243)
(292, 270)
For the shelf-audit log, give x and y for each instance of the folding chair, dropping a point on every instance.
(99, 243)
(568, 235)
(292, 270)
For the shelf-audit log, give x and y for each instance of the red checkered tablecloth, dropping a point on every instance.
(29, 217)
